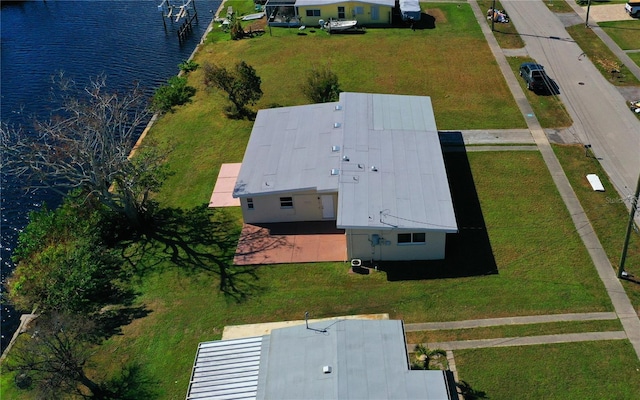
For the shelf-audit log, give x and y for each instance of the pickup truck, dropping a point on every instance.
(535, 77)
(633, 8)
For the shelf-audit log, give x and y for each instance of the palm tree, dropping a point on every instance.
(424, 356)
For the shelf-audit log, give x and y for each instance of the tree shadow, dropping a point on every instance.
(468, 252)
(195, 240)
(109, 322)
(132, 383)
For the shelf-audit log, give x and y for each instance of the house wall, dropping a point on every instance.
(360, 245)
(307, 206)
(372, 14)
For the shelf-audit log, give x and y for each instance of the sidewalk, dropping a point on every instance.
(619, 299)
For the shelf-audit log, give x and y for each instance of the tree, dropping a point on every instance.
(175, 93)
(54, 357)
(63, 265)
(242, 85)
(86, 145)
(322, 85)
(424, 356)
(236, 31)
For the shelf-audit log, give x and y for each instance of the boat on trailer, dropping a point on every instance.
(338, 26)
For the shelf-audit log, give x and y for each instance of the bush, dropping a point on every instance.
(322, 86)
(188, 66)
(175, 93)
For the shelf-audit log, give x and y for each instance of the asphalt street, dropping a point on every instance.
(600, 113)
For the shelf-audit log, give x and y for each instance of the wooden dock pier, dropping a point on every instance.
(179, 10)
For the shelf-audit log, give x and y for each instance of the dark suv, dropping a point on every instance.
(535, 77)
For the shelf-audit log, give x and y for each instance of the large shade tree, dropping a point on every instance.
(241, 84)
(86, 144)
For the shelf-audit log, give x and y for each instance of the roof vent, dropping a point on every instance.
(361, 166)
(374, 168)
(335, 149)
(326, 369)
(345, 158)
(338, 107)
(335, 171)
(337, 124)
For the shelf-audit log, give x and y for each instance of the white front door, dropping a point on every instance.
(328, 209)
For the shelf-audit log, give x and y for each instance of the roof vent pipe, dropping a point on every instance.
(374, 168)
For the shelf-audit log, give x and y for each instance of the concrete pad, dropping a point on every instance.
(252, 330)
(258, 245)
(222, 195)
(608, 12)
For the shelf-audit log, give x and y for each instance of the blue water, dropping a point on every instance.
(126, 40)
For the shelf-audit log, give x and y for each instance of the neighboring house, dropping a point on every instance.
(366, 12)
(410, 10)
(371, 162)
(310, 12)
(347, 359)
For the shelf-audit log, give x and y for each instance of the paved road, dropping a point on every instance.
(600, 114)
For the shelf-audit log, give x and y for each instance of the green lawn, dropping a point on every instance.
(606, 211)
(604, 370)
(505, 331)
(624, 33)
(188, 289)
(506, 34)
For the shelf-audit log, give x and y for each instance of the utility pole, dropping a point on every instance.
(586, 22)
(493, 13)
(634, 207)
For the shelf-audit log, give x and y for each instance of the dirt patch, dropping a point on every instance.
(436, 13)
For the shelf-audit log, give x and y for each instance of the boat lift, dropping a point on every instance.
(177, 10)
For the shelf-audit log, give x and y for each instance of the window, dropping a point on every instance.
(411, 238)
(249, 203)
(313, 13)
(286, 202)
(341, 13)
(358, 10)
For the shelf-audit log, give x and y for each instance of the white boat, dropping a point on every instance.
(253, 16)
(335, 25)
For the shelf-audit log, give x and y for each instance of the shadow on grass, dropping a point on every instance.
(468, 252)
(131, 383)
(194, 241)
(110, 322)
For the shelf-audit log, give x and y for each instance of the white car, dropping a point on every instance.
(633, 8)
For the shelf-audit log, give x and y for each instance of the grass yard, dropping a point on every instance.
(542, 269)
(505, 331)
(624, 33)
(604, 370)
(607, 213)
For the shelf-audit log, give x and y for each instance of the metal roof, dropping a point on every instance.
(226, 369)
(306, 3)
(380, 152)
(343, 359)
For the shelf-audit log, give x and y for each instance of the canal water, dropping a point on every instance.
(125, 40)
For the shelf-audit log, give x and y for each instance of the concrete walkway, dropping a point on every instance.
(619, 299)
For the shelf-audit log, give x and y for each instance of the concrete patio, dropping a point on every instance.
(284, 243)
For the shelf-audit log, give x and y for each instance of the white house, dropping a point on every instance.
(371, 162)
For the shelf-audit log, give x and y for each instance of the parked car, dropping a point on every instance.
(633, 8)
(535, 77)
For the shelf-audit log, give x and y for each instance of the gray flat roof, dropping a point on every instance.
(395, 176)
(290, 150)
(385, 148)
(368, 360)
